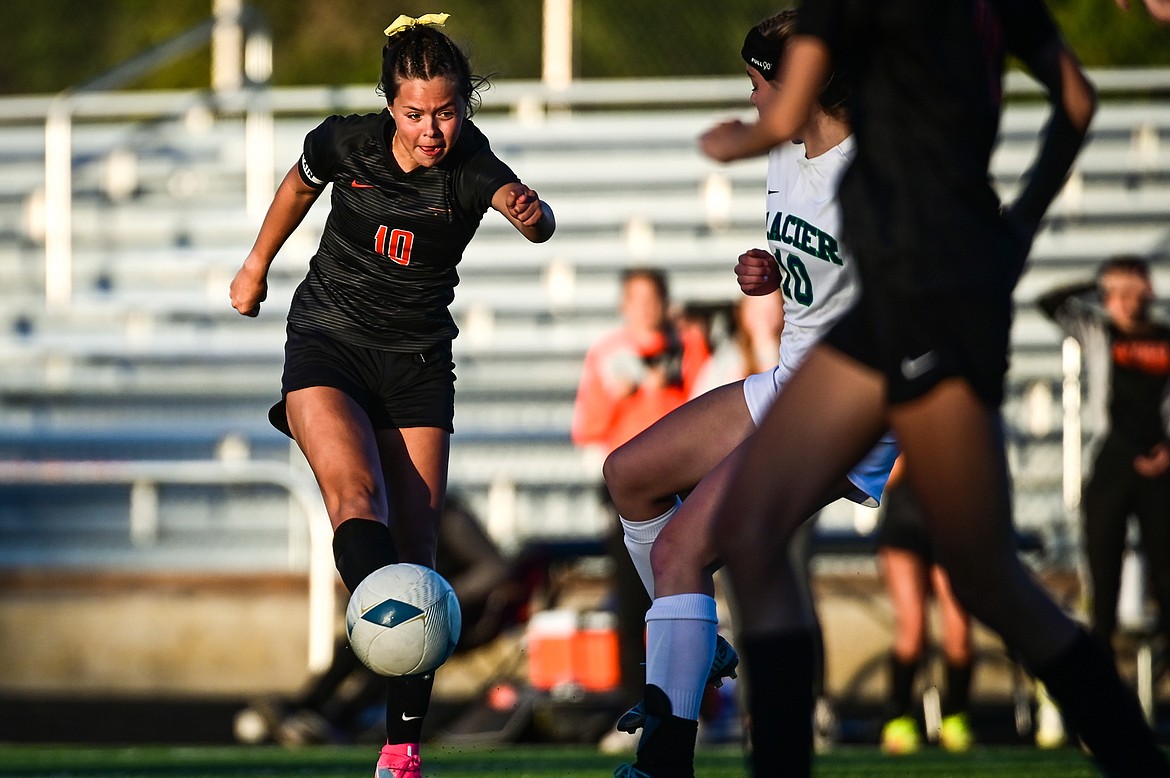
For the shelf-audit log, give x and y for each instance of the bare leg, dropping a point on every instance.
(414, 465)
(956, 622)
(685, 554)
(828, 416)
(370, 481)
(681, 623)
(958, 651)
(777, 487)
(906, 581)
(955, 463)
(675, 453)
(905, 573)
(335, 435)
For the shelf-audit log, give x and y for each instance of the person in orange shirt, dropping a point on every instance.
(638, 373)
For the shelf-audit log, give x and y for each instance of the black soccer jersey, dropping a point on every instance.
(385, 271)
(926, 77)
(1139, 376)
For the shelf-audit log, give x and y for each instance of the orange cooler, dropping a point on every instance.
(598, 667)
(550, 648)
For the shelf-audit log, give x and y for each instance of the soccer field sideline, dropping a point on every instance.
(516, 761)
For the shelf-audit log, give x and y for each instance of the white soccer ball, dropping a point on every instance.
(403, 619)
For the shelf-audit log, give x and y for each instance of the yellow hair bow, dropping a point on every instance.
(404, 22)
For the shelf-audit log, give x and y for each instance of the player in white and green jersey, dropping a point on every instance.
(692, 450)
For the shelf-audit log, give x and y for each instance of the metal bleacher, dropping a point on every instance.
(149, 362)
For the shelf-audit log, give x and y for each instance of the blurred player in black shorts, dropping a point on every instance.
(911, 573)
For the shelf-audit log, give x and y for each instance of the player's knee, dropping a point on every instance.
(623, 479)
(618, 471)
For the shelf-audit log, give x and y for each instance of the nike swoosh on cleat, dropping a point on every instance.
(359, 185)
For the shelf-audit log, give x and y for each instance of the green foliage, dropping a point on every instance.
(1105, 36)
(54, 44)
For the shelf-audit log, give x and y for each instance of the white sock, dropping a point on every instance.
(680, 645)
(639, 538)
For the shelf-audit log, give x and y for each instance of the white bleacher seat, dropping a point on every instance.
(150, 345)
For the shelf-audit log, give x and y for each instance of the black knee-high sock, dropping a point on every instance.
(361, 546)
(780, 672)
(1103, 711)
(902, 675)
(958, 697)
(407, 699)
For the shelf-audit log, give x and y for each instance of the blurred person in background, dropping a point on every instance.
(639, 372)
(369, 385)
(907, 564)
(744, 339)
(1126, 354)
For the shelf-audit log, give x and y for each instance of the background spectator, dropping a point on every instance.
(1127, 359)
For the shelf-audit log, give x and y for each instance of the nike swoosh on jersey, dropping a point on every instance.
(410, 718)
(360, 185)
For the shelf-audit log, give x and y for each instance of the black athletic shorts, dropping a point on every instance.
(918, 341)
(901, 524)
(396, 389)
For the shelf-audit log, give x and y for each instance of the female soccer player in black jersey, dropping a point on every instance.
(924, 351)
(368, 385)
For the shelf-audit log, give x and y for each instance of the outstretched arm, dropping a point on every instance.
(803, 70)
(1074, 101)
(291, 202)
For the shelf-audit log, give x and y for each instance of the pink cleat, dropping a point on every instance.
(400, 760)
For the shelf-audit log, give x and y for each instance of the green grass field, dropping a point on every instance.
(513, 761)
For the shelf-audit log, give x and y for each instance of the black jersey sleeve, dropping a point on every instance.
(331, 141)
(480, 173)
(821, 19)
(1027, 26)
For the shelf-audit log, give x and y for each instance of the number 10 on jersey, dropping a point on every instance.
(394, 244)
(794, 280)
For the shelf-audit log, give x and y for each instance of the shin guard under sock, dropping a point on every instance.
(361, 546)
(780, 676)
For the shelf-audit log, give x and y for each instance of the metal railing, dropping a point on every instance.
(146, 475)
(231, 20)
